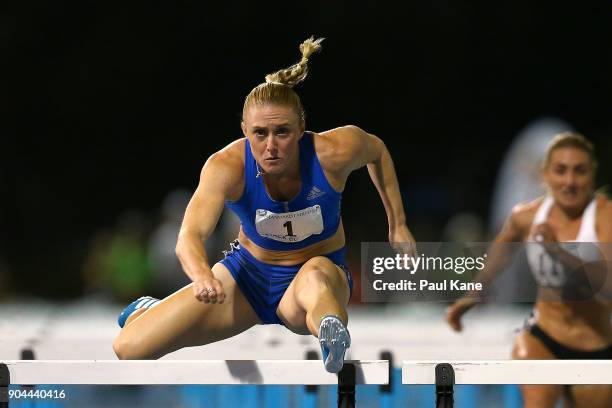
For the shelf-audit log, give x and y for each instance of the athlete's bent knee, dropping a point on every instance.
(315, 280)
(128, 349)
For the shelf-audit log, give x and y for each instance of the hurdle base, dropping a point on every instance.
(5, 380)
(445, 382)
(346, 386)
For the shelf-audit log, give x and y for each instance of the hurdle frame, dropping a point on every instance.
(212, 372)
(446, 374)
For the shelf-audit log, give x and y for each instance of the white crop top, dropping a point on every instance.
(549, 272)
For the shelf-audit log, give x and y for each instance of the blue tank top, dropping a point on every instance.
(312, 216)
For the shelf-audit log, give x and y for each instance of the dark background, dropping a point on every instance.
(110, 106)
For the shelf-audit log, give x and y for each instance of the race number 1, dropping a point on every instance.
(292, 226)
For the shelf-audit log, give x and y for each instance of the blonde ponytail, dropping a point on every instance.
(277, 90)
(297, 72)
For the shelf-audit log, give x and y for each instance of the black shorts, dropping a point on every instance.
(568, 353)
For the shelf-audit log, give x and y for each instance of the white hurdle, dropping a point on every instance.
(111, 372)
(512, 372)
(448, 373)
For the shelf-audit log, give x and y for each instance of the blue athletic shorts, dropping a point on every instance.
(263, 284)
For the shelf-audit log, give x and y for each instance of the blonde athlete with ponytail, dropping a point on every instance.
(288, 264)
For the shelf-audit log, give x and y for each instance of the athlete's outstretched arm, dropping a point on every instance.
(499, 257)
(357, 148)
(219, 180)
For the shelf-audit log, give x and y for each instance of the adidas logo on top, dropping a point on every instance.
(314, 193)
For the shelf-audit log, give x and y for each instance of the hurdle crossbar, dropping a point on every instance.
(112, 372)
(512, 372)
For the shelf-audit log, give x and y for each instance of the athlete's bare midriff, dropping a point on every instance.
(583, 325)
(298, 256)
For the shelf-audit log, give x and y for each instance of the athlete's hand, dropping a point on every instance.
(457, 310)
(402, 241)
(544, 234)
(208, 289)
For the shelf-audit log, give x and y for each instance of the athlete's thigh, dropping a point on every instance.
(528, 347)
(591, 396)
(318, 270)
(180, 320)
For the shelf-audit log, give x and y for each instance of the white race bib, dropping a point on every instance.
(293, 226)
